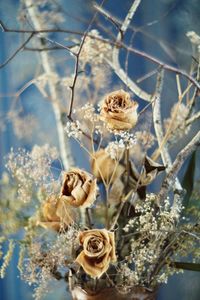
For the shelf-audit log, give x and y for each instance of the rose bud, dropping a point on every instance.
(57, 214)
(104, 166)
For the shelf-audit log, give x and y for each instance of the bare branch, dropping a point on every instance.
(158, 126)
(162, 64)
(115, 64)
(173, 171)
(77, 55)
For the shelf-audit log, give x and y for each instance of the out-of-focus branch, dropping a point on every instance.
(158, 126)
(49, 69)
(173, 171)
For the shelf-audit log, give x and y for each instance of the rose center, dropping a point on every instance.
(115, 103)
(70, 183)
(118, 101)
(95, 245)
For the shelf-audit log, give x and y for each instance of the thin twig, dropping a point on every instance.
(17, 51)
(108, 16)
(77, 56)
(146, 76)
(169, 130)
(162, 64)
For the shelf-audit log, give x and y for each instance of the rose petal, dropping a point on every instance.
(88, 266)
(91, 196)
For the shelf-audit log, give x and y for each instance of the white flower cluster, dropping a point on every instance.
(150, 229)
(114, 149)
(126, 138)
(88, 112)
(72, 129)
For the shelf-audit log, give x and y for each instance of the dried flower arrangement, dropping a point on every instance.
(103, 230)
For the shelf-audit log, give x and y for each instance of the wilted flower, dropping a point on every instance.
(98, 251)
(57, 213)
(118, 111)
(148, 174)
(79, 188)
(104, 166)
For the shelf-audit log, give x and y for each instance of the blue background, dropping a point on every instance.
(182, 16)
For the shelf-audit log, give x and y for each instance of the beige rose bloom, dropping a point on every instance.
(78, 188)
(103, 165)
(98, 251)
(57, 214)
(118, 111)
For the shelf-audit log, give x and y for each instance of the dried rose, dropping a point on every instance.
(57, 214)
(118, 111)
(98, 251)
(78, 188)
(104, 166)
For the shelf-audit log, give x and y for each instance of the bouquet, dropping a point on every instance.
(119, 225)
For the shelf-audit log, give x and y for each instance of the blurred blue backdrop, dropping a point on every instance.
(172, 20)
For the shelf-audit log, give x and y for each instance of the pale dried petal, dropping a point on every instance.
(57, 213)
(79, 189)
(104, 166)
(118, 111)
(98, 251)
